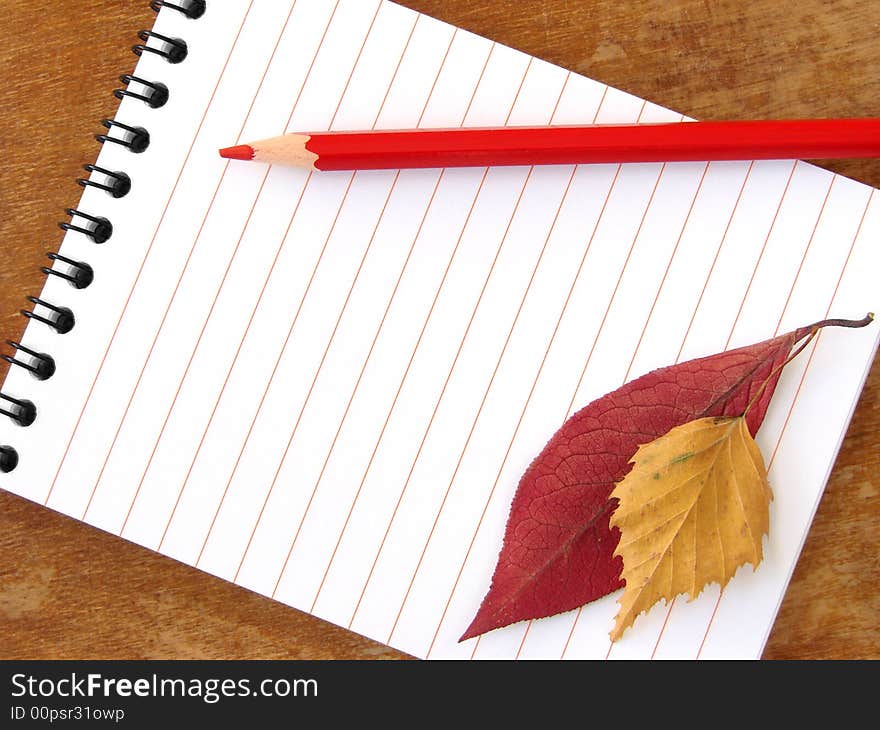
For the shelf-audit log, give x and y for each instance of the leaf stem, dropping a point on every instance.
(814, 329)
(855, 323)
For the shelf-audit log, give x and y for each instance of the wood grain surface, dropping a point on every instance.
(71, 591)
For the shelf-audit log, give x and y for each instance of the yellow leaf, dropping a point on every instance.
(692, 510)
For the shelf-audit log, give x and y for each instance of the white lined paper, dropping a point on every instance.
(325, 387)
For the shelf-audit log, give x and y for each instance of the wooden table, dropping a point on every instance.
(70, 591)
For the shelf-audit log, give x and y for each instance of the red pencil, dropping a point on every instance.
(680, 141)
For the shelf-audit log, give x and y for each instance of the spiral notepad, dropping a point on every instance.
(325, 386)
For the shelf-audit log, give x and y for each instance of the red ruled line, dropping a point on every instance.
(798, 389)
(263, 400)
(611, 301)
(662, 629)
(684, 226)
(705, 284)
(339, 429)
(604, 319)
(266, 283)
(730, 335)
(540, 368)
(522, 81)
(452, 369)
(403, 380)
(529, 625)
(687, 332)
(422, 331)
(708, 275)
(176, 289)
(804, 257)
(317, 373)
(271, 488)
(400, 497)
(742, 304)
(241, 451)
(216, 296)
(775, 333)
(266, 389)
(440, 399)
(234, 255)
(189, 363)
(330, 341)
(147, 254)
(488, 387)
(406, 484)
(715, 260)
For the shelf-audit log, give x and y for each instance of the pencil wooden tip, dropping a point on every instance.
(239, 152)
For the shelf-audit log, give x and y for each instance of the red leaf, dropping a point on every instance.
(558, 550)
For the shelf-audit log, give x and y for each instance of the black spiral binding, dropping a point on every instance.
(118, 184)
(60, 319)
(98, 228)
(192, 9)
(77, 273)
(40, 365)
(173, 50)
(137, 139)
(152, 93)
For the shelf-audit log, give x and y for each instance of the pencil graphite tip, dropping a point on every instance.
(239, 152)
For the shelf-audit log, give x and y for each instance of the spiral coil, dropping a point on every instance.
(98, 229)
(152, 93)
